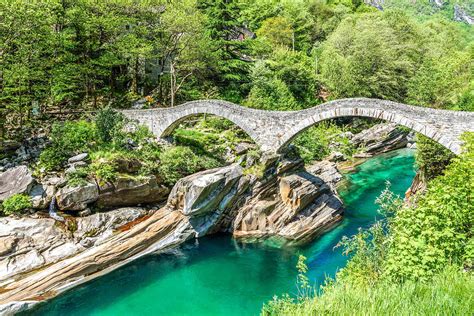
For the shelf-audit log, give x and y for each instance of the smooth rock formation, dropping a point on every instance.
(16, 180)
(300, 208)
(41, 195)
(77, 158)
(76, 198)
(379, 139)
(128, 191)
(209, 196)
(28, 243)
(461, 15)
(288, 205)
(203, 192)
(161, 230)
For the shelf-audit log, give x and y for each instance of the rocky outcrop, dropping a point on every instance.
(379, 139)
(16, 180)
(208, 196)
(22, 153)
(41, 195)
(289, 205)
(76, 198)
(131, 190)
(378, 4)
(461, 15)
(163, 229)
(298, 208)
(28, 243)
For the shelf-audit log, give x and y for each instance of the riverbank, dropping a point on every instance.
(250, 274)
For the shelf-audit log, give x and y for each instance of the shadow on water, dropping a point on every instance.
(219, 276)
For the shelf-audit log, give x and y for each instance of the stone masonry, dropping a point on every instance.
(273, 130)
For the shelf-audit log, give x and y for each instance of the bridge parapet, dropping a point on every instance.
(273, 130)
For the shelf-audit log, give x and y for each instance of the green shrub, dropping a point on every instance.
(16, 204)
(431, 157)
(108, 123)
(78, 177)
(104, 171)
(449, 293)
(52, 158)
(439, 229)
(177, 162)
(67, 139)
(313, 143)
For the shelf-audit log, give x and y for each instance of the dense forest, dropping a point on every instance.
(61, 56)
(65, 65)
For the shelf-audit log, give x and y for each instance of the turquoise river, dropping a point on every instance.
(218, 276)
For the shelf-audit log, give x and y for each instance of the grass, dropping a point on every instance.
(451, 292)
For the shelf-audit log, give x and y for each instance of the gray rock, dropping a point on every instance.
(77, 198)
(85, 212)
(55, 180)
(128, 191)
(41, 195)
(379, 139)
(438, 3)
(203, 192)
(28, 243)
(378, 4)
(461, 15)
(70, 169)
(336, 156)
(79, 164)
(17, 180)
(80, 157)
(242, 148)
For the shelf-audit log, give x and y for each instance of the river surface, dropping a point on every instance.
(218, 276)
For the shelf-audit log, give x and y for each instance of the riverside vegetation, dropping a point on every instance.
(68, 64)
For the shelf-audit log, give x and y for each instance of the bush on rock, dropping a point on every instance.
(16, 204)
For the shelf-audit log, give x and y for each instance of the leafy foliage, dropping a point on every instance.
(431, 157)
(67, 139)
(108, 122)
(316, 142)
(16, 204)
(180, 161)
(419, 261)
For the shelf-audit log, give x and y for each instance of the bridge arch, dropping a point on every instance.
(274, 130)
(442, 126)
(163, 121)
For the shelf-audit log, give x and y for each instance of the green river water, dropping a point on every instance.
(218, 276)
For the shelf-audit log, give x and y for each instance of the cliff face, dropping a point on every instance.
(459, 10)
(288, 205)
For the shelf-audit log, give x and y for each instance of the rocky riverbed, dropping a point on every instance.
(290, 204)
(297, 206)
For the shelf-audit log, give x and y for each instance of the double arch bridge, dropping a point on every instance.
(273, 130)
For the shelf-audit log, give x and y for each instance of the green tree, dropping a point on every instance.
(366, 56)
(276, 31)
(229, 52)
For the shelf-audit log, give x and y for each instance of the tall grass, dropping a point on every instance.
(450, 292)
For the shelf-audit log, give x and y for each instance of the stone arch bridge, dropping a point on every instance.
(273, 130)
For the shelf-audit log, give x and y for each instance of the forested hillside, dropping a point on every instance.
(67, 156)
(62, 56)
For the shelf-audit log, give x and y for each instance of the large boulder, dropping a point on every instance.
(41, 195)
(28, 243)
(128, 191)
(205, 192)
(380, 138)
(294, 210)
(16, 180)
(76, 198)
